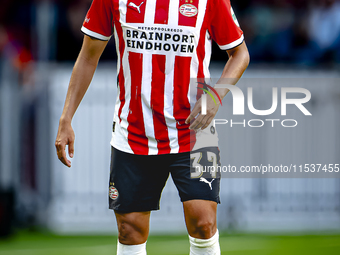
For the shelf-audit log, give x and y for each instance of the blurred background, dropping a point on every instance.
(43, 202)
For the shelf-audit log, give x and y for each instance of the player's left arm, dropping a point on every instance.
(232, 72)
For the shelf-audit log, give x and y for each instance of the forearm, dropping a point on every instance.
(80, 80)
(82, 74)
(81, 77)
(234, 68)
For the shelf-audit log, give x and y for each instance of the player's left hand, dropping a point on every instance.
(202, 121)
(65, 137)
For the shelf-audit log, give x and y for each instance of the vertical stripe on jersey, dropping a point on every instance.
(120, 51)
(169, 84)
(135, 11)
(119, 92)
(157, 103)
(185, 20)
(196, 64)
(181, 102)
(162, 12)
(136, 131)
(146, 104)
(173, 13)
(150, 9)
(169, 103)
(204, 35)
(201, 51)
(207, 57)
(121, 79)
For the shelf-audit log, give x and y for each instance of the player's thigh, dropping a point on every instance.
(136, 181)
(198, 182)
(200, 218)
(194, 177)
(133, 228)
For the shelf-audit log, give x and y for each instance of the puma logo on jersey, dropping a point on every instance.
(202, 179)
(135, 7)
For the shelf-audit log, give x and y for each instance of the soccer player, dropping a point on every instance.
(158, 127)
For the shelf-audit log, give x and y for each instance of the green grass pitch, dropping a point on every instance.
(33, 243)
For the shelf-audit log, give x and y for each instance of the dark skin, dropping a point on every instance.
(133, 228)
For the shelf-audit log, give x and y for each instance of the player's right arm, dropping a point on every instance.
(81, 77)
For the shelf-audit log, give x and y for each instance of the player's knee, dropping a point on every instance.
(205, 228)
(133, 228)
(130, 234)
(124, 232)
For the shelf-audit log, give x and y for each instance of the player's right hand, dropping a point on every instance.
(65, 137)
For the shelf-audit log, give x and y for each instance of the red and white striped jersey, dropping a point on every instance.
(161, 46)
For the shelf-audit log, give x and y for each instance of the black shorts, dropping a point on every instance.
(137, 181)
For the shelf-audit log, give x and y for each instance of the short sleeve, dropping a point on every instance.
(98, 20)
(224, 27)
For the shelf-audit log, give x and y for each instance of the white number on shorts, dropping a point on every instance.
(212, 158)
(196, 164)
(199, 169)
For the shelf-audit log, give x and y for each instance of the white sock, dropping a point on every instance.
(123, 249)
(205, 246)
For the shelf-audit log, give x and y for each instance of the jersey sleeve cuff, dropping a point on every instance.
(94, 34)
(233, 44)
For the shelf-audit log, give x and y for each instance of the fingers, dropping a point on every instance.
(60, 146)
(200, 122)
(207, 123)
(194, 112)
(65, 137)
(71, 148)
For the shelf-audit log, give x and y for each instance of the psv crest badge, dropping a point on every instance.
(113, 193)
(188, 10)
